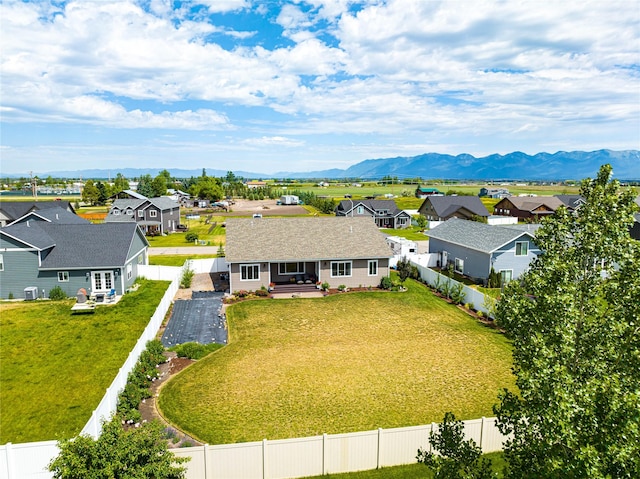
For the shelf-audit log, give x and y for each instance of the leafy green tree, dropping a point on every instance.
(421, 220)
(208, 188)
(456, 457)
(404, 269)
(575, 323)
(118, 453)
(120, 183)
(90, 193)
(103, 193)
(159, 186)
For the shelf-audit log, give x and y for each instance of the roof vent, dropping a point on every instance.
(28, 225)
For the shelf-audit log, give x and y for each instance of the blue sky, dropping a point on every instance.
(293, 86)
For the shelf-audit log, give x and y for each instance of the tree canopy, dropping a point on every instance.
(575, 323)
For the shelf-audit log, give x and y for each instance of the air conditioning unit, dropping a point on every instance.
(31, 293)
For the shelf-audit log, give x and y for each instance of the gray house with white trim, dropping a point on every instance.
(156, 216)
(473, 248)
(341, 251)
(385, 213)
(45, 254)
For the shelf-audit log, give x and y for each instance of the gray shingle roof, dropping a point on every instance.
(17, 209)
(374, 205)
(445, 206)
(475, 235)
(54, 215)
(78, 245)
(287, 239)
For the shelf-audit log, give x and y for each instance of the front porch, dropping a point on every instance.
(292, 288)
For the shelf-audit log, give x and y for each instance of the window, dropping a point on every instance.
(1, 263)
(522, 248)
(373, 267)
(153, 213)
(249, 272)
(402, 221)
(505, 276)
(360, 210)
(459, 266)
(141, 214)
(116, 212)
(340, 268)
(129, 271)
(63, 276)
(291, 268)
(140, 258)
(129, 212)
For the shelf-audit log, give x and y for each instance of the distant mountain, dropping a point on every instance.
(513, 166)
(563, 165)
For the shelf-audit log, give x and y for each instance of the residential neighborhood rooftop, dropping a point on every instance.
(308, 239)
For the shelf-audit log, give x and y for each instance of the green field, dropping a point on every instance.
(56, 366)
(342, 363)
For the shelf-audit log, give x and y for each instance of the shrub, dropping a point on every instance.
(262, 292)
(325, 286)
(342, 287)
(57, 293)
(187, 278)
(191, 237)
(386, 283)
(457, 293)
(243, 293)
(10, 295)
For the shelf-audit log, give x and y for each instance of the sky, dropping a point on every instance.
(305, 85)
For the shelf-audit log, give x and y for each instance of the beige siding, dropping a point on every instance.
(237, 284)
(359, 274)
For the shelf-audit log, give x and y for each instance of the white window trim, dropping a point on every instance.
(129, 271)
(116, 212)
(455, 265)
(153, 214)
(250, 265)
(350, 263)
(297, 263)
(63, 276)
(1, 262)
(504, 271)
(140, 214)
(369, 264)
(516, 249)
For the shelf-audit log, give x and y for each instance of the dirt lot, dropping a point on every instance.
(264, 207)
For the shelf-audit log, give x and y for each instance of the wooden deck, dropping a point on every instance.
(294, 288)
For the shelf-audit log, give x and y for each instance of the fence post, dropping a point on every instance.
(9, 456)
(482, 435)
(379, 448)
(206, 462)
(324, 454)
(264, 459)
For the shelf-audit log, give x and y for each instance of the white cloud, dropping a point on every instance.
(274, 141)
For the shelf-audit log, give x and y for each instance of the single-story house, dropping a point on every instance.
(424, 192)
(44, 254)
(156, 216)
(441, 208)
(473, 248)
(339, 251)
(527, 207)
(494, 192)
(10, 211)
(384, 212)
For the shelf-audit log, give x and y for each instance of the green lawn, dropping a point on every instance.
(176, 259)
(412, 233)
(55, 366)
(412, 471)
(342, 363)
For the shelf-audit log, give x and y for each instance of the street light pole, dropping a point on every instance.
(351, 206)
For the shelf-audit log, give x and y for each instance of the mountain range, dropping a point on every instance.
(563, 165)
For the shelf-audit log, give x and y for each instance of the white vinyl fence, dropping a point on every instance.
(480, 301)
(326, 454)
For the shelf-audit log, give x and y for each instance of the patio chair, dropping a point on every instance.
(111, 295)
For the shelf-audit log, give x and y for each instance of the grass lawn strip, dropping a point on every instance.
(55, 366)
(343, 363)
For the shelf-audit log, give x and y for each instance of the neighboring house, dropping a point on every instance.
(441, 208)
(424, 192)
(572, 202)
(340, 251)
(473, 248)
(385, 213)
(127, 195)
(44, 254)
(527, 207)
(12, 210)
(156, 216)
(255, 184)
(180, 197)
(494, 192)
(51, 215)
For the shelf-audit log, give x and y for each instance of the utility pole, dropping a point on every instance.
(34, 188)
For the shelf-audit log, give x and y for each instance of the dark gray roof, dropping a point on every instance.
(571, 201)
(78, 245)
(475, 235)
(298, 239)
(53, 215)
(373, 205)
(17, 209)
(445, 206)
